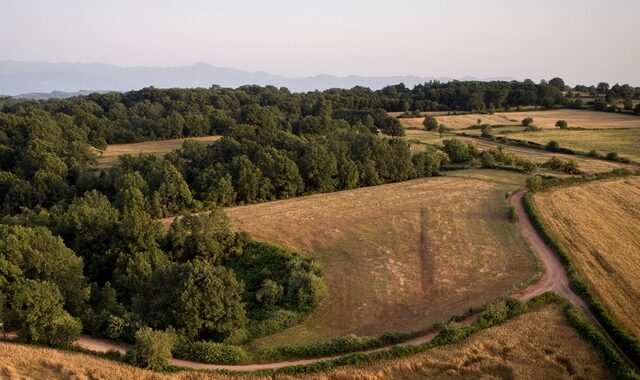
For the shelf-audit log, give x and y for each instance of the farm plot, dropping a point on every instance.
(586, 164)
(597, 224)
(626, 142)
(109, 156)
(398, 257)
(540, 344)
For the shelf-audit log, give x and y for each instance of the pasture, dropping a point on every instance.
(398, 257)
(109, 156)
(624, 141)
(543, 119)
(539, 344)
(588, 165)
(597, 224)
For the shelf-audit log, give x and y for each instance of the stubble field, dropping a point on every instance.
(539, 344)
(110, 155)
(597, 224)
(398, 257)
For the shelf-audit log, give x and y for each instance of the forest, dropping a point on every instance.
(81, 250)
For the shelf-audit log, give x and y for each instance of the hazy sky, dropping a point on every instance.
(579, 40)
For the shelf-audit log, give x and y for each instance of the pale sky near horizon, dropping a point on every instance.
(582, 41)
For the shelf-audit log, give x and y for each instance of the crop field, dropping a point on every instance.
(542, 119)
(398, 257)
(539, 344)
(597, 224)
(624, 141)
(110, 155)
(586, 164)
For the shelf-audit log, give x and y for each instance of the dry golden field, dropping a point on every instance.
(110, 155)
(543, 119)
(597, 223)
(624, 141)
(586, 164)
(398, 257)
(536, 345)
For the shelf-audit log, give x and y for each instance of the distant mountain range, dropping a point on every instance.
(41, 80)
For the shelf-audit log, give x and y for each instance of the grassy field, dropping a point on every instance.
(398, 257)
(536, 345)
(586, 164)
(542, 119)
(110, 155)
(624, 141)
(597, 224)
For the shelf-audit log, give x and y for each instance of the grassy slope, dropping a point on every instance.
(586, 164)
(399, 257)
(596, 223)
(539, 344)
(624, 141)
(110, 156)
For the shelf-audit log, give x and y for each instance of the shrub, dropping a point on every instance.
(152, 349)
(527, 121)
(430, 123)
(487, 131)
(595, 154)
(513, 214)
(552, 146)
(457, 150)
(534, 182)
(612, 156)
(562, 124)
(212, 353)
(276, 320)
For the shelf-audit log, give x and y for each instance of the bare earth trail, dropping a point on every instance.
(554, 278)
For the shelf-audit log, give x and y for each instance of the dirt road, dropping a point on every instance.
(554, 278)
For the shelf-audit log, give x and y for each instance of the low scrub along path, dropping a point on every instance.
(554, 278)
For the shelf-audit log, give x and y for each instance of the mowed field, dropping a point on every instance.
(398, 257)
(543, 119)
(539, 344)
(110, 155)
(597, 223)
(624, 141)
(586, 164)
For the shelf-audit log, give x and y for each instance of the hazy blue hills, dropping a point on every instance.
(41, 80)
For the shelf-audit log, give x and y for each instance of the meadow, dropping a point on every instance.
(597, 224)
(398, 257)
(539, 344)
(586, 164)
(109, 156)
(625, 142)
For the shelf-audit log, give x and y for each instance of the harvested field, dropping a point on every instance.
(399, 257)
(576, 118)
(597, 224)
(540, 345)
(110, 155)
(624, 141)
(586, 164)
(536, 345)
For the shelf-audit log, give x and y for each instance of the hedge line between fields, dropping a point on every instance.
(449, 333)
(624, 339)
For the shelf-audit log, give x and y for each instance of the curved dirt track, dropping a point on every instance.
(554, 278)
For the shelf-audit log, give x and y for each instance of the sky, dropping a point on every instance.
(582, 41)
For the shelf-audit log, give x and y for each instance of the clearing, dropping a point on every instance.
(399, 257)
(597, 224)
(540, 344)
(109, 156)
